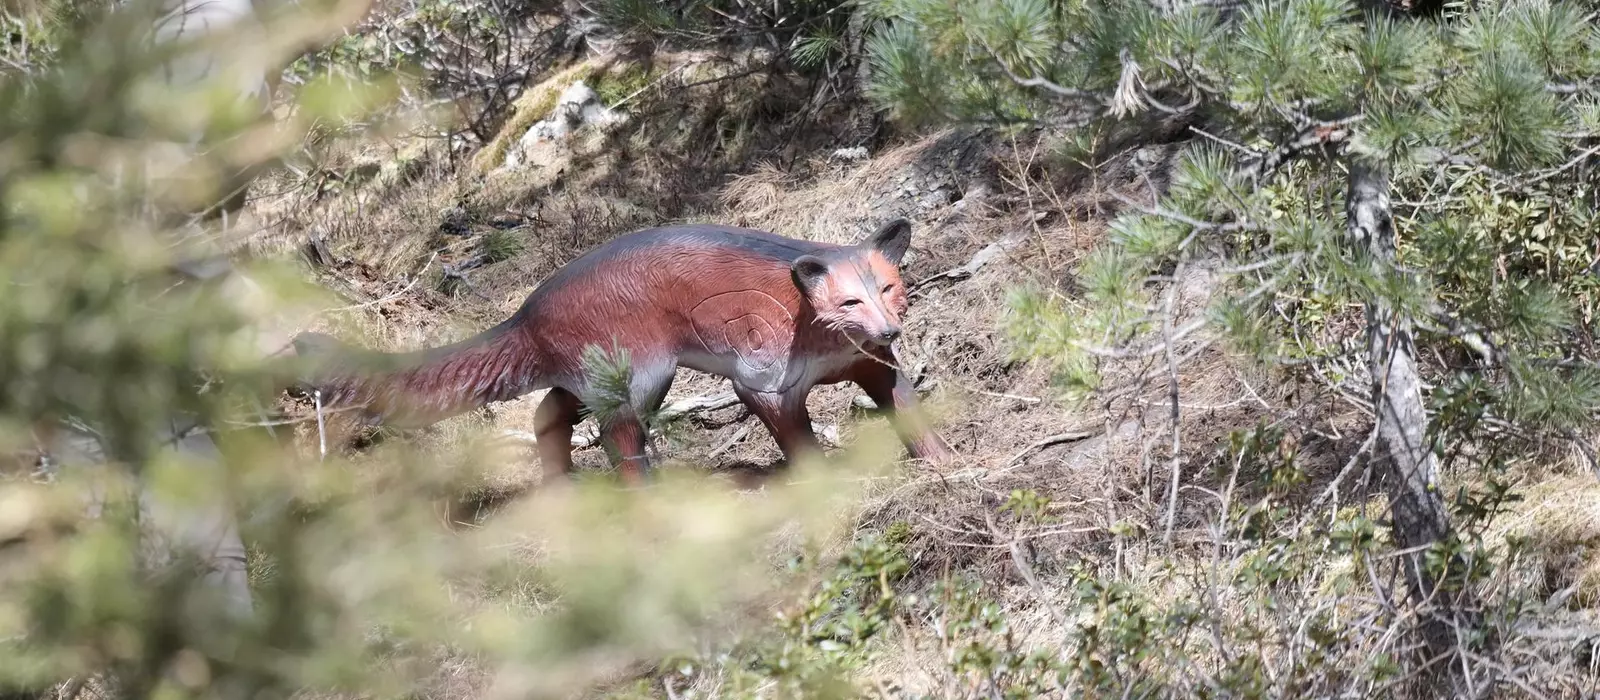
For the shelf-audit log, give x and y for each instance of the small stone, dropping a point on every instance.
(855, 153)
(506, 221)
(454, 221)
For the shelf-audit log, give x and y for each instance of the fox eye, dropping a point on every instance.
(888, 288)
(849, 303)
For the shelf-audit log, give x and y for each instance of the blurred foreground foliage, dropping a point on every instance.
(358, 590)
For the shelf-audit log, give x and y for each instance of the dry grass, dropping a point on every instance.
(1560, 519)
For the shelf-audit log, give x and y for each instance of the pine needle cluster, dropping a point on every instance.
(1484, 117)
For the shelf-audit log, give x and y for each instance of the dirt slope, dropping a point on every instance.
(428, 251)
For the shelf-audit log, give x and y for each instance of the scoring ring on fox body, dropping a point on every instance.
(751, 325)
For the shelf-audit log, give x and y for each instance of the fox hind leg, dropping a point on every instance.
(553, 422)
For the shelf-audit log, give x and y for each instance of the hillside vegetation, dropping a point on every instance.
(1264, 332)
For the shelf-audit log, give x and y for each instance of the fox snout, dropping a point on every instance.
(869, 322)
(864, 326)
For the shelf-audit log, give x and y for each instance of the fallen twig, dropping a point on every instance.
(322, 426)
(73, 687)
(1583, 447)
(738, 436)
(387, 298)
(697, 404)
(1176, 460)
(1333, 486)
(1014, 548)
(1050, 441)
(625, 100)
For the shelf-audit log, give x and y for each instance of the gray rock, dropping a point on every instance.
(577, 108)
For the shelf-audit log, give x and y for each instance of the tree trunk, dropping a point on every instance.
(1418, 509)
(866, 124)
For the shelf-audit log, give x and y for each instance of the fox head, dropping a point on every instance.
(856, 290)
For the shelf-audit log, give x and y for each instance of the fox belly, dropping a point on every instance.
(747, 336)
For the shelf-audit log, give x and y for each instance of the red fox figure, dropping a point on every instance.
(775, 315)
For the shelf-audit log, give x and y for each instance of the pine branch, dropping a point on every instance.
(1197, 224)
(1318, 136)
(1420, 517)
(1574, 162)
(1475, 337)
(1035, 81)
(610, 381)
(1234, 145)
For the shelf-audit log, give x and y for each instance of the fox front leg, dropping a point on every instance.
(785, 416)
(889, 388)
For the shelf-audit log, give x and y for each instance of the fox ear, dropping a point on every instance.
(892, 239)
(808, 272)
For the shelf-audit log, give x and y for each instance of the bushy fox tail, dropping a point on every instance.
(416, 389)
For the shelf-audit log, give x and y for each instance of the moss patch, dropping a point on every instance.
(616, 86)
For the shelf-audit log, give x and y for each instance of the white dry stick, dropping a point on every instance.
(1332, 490)
(322, 432)
(697, 404)
(73, 687)
(1051, 441)
(619, 103)
(1175, 414)
(587, 437)
(979, 260)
